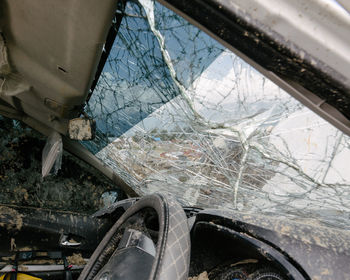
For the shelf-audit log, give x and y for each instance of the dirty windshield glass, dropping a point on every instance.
(179, 113)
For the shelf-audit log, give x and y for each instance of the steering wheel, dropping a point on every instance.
(149, 241)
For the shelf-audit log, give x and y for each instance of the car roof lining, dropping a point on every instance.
(54, 48)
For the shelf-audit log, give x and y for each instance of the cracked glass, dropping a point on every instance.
(179, 113)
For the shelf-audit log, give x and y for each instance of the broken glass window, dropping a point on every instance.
(179, 113)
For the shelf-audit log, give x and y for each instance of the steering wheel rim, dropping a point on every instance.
(173, 246)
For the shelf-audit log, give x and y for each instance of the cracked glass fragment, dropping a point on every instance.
(177, 112)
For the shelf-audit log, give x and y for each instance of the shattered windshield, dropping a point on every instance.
(179, 113)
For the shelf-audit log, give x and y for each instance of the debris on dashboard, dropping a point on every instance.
(76, 259)
(10, 218)
(202, 276)
(77, 186)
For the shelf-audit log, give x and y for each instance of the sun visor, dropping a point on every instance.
(4, 63)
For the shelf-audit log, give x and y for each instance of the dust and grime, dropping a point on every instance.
(202, 276)
(10, 218)
(76, 259)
